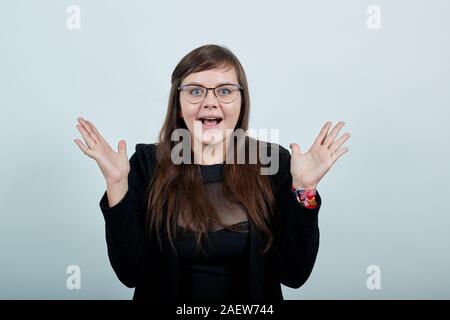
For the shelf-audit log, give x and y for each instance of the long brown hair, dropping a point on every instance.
(176, 187)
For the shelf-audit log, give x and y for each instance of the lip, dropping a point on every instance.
(210, 116)
(205, 126)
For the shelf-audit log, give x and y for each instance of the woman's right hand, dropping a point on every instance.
(114, 166)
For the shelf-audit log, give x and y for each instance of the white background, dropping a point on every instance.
(384, 202)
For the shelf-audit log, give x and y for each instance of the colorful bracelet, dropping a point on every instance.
(307, 198)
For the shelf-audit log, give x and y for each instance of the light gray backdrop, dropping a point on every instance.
(384, 202)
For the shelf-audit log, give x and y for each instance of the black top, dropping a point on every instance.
(159, 274)
(219, 271)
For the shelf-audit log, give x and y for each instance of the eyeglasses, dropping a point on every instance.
(196, 93)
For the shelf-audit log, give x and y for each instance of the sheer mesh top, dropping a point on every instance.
(218, 271)
(229, 213)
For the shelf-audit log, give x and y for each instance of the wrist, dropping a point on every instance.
(306, 197)
(299, 186)
(116, 193)
(117, 185)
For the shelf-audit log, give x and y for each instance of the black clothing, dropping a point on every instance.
(233, 264)
(218, 274)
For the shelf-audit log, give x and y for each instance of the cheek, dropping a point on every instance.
(233, 114)
(189, 114)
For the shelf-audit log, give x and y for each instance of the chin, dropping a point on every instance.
(209, 142)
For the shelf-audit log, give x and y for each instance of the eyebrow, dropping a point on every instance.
(199, 84)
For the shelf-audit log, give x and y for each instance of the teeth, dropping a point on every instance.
(210, 119)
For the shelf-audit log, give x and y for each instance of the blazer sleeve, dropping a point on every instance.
(125, 234)
(297, 239)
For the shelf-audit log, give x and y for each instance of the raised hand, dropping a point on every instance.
(307, 169)
(114, 166)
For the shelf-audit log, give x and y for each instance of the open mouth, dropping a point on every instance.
(210, 122)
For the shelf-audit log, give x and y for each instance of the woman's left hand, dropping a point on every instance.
(307, 169)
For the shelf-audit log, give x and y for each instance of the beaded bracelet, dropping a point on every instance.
(307, 198)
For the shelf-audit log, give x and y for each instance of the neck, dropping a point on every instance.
(207, 154)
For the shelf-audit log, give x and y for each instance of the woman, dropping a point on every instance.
(211, 230)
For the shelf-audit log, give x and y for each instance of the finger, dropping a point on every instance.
(295, 148)
(330, 138)
(88, 129)
(337, 144)
(86, 136)
(94, 129)
(336, 155)
(322, 134)
(83, 148)
(122, 147)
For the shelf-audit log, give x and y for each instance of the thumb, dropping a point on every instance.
(122, 147)
(295, 148)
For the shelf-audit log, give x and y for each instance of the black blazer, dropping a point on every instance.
(139, 263)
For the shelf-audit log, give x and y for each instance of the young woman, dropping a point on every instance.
(211, 229)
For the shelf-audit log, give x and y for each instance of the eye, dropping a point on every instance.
(223, 91)
(196, 91)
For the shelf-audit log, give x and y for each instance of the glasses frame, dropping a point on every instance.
(240, 88)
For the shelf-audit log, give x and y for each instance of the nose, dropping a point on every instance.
(210, 99)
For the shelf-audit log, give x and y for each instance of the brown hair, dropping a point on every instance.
(177, 187)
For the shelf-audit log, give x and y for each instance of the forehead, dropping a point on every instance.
(213, 77)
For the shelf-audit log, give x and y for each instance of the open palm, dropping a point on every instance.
(309, 168)
(114, 165)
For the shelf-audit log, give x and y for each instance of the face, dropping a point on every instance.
(204, 131)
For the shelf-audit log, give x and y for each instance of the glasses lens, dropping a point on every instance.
(193, 94)
(227, 93)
